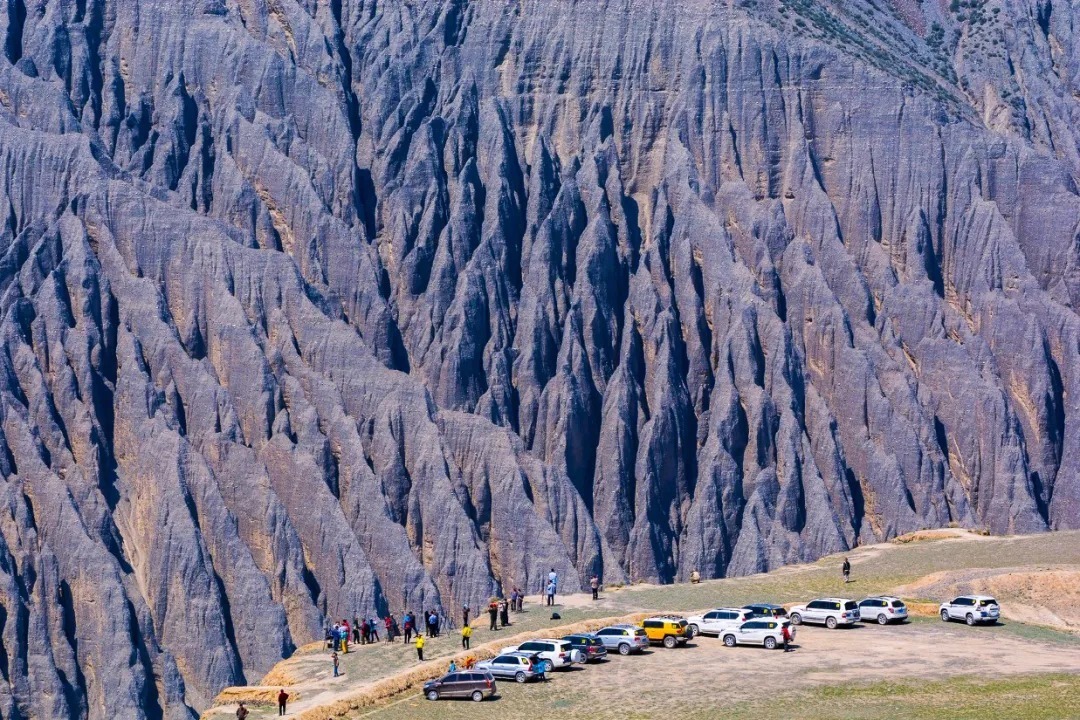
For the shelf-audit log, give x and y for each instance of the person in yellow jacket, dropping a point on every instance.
(466, 633)
(420, 648)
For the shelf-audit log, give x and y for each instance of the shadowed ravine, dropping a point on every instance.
(311, 308)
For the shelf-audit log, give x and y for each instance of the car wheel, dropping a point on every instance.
(796, 619)
(477, 696)
(830, 622)
(729, 640)
(432, 694)
(520, 677)
(692, 631)
(945, 616)
(624, 649)
(669, 642)
(970, 619)
(770, 643)
(548, 666)
(882, 620)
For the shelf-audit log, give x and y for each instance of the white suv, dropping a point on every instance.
(717, 622)
(759, 631)
(830, 612)
(553, 653)
(972, 609)
(883, 609)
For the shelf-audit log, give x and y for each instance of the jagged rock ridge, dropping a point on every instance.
(311, 308)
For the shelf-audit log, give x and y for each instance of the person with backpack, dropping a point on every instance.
(420, 647)
(407, 625)
(466, 635)
(282, 698)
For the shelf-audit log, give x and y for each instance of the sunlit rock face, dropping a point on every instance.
(318, 308)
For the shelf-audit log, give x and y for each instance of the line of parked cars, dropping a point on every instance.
(760, 624)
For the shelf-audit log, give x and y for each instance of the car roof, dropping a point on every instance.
(621, 626)
(761, 605)
(977, 597)
(880, 597)
(832, 599)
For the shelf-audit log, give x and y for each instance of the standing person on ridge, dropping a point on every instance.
(334, 657)
(847, 571)
(466, 634)
(504, 612)
(493, 614)
(595, 585)
(551, 593)
(356, 630)
(407, 625)
(374, 630)
(241, 711)
(465, 614)
(419, 647)
(553, 578)
(282, 698)
(364, 632)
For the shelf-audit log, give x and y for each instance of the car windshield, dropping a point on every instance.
(987, 603)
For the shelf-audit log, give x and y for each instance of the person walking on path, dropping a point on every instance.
(241, 711)
(550, 593)
(504, 612)
(282, 698)
(420, 647)
(595, 585)
(847, 571)
(337, 669)
(493, 614)
(787, 637)
(466, 634)
(465, 614)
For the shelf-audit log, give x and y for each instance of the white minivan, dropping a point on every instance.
(830, 612)
(972, 609)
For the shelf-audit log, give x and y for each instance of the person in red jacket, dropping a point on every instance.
(282, 698)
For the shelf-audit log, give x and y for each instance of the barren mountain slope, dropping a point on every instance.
(311, 308)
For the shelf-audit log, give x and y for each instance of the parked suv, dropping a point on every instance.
(767, 632)
(590, 647)
(553, 653)
(829, 612)
(883, 610)
(624, 638)
(475, 685)
(717, 622)
(972, 609)
(766, 610)
(666, 629)
(513, 666)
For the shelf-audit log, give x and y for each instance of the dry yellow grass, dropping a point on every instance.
(253, 695)
(416, 677)
(928, 535)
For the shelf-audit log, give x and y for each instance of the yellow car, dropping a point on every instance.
(669, 630)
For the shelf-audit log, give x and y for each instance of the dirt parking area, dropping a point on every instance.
(705, 674)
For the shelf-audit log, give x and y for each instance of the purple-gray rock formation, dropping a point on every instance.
(311, 307)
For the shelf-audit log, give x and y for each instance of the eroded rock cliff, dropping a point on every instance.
(311, 308)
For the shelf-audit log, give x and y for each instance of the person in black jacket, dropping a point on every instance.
(847, 571)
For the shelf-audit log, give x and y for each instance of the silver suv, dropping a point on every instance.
(972, 609)
(624, 638)
(829, 612)
(882, 610)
